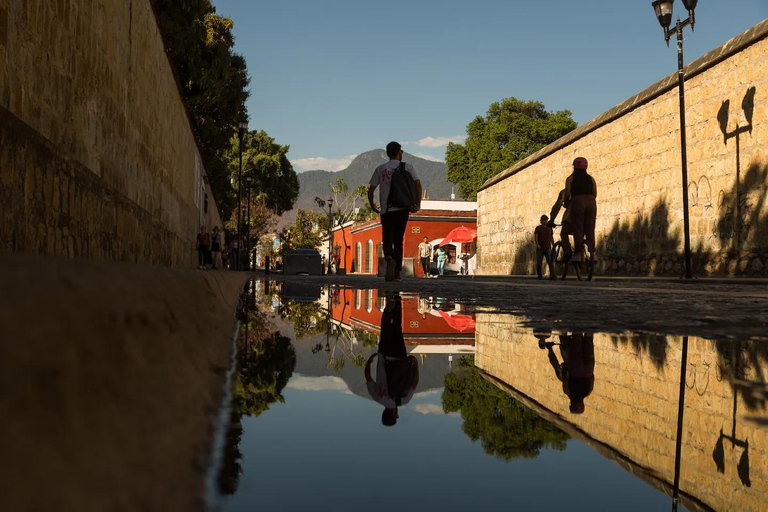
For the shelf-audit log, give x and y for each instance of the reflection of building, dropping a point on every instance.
(631, 414)
(358, 244)
(426, 329)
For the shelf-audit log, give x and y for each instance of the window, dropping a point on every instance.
(368, 300)
(416, 229)
(369, 257)
(415, 324)
(357, 297)
(358, 258)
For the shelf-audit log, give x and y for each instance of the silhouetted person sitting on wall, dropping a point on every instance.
(581, 195)
(397, 373)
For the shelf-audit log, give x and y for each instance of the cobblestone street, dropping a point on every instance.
(713, 309)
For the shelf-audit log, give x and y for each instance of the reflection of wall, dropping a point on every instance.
(634, 155)
(633, 407)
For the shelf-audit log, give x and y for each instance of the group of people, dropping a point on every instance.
(578, 197)
(429, 254)
(211, 250)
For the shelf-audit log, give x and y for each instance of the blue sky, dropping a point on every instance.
(335, 78)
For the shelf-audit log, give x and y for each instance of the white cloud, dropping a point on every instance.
(321, 162)
(437, 142)
(429, 157)
(318, 384)
(432, 409)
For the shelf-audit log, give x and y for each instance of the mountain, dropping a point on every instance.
(315, 183)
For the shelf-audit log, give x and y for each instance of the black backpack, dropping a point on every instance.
(402, 191)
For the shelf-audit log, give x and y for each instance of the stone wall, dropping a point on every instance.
(634, 155)
(97, 156)
(633, 407)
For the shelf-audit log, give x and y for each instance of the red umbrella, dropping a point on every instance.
(461, 234)
(459, 322)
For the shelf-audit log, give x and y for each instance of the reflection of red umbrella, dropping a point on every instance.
(459, 322)
(460, 235)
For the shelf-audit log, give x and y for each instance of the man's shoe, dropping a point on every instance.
(390, 274)
(397, 277)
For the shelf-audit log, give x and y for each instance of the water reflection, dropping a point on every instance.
(397, 373)
(681, 414)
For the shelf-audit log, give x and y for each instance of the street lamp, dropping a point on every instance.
(663, 10)
(249, 183)
(242, 129)
(330, 232)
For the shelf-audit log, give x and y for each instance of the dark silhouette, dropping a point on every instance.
(397, 373)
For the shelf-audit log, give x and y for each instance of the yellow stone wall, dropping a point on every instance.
(98, 157)
(633, 407)
(634, 155)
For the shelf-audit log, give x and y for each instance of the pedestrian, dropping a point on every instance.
(442, 257)
(203, 247)
(393, 219)
(234, 255)
(544, 242)
(216, 248)
(425, 251)
(225, 256)
(397, 373)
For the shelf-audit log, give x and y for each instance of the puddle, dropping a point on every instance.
(481, 411)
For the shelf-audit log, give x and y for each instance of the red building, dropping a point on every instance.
(424, 322)
(359, 245)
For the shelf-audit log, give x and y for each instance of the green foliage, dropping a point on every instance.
(308, 318)
(213, 80)
(275, 184)
(308, 232)
(263, 370)
(511, 131)
(505, 427)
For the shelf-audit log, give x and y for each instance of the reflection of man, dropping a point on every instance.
(397, 373)
(577, 371)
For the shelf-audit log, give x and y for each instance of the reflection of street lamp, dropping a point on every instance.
(663, 9)
(242, 129)
(249, 181)
(330, 232)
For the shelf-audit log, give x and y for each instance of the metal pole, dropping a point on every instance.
(680, 410)
(683, 151)
(239, 197)
(330, 235)
(248, 235)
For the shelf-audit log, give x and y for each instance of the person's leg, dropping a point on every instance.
(590, 218)
(550, 263)
(200, 256)
(577, 220)
(400, 224)
(539, 255)
(387, 234)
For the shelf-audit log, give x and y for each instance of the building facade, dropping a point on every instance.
(359, 248)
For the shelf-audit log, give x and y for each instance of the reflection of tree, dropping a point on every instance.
(505, 427)
(265, 363)
(308, 318)
(745, 365)
(653, 344)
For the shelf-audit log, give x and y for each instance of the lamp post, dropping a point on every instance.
(330, 233)
(249, 183)
(242, 129)
(663, 9)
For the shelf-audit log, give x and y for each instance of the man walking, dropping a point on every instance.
(393, 219)
(544, 242)
(425, 251)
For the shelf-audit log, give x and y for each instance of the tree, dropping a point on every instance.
(505, 427)
(307, 232)
(275, 184)
(511, 131)
(346, 206)
(213, 79)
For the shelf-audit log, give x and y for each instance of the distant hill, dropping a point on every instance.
(315, 183)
